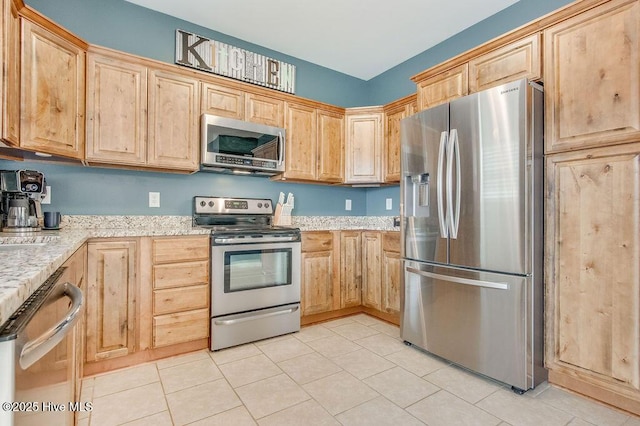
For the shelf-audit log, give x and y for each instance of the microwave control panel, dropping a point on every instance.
(239, 161)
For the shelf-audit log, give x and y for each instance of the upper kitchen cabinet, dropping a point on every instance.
(443, 87)
(140, 114)
(314, 143)
(174, 101)
(593, 273)
(363, 145)
(520, 59)
(301, 142)
(224, 101)
(264, 109)
(116, 110)
(10, 90)
(52, 91)
(394, 113)
(592, 69)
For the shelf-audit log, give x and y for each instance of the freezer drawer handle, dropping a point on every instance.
(35, 349)
(458, 280)
(250, 317)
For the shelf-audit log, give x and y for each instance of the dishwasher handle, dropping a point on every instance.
(35, 349)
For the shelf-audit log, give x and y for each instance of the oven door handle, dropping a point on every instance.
(251, 317)
(35, 349)
(266, 239)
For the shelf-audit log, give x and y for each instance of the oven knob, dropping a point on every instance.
(203, 203)
(210, 203)
(266, 205)
(259, 205)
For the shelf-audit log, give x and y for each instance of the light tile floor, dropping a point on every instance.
(351, 371)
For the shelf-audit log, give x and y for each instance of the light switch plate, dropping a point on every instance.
(389, 203)
(347, 205)
(154, 199)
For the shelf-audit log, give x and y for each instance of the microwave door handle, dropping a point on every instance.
(35, 349)
(281, 148)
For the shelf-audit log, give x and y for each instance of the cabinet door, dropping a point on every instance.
(350, 268)
(592, 69)
(10, 99)
(393, 116)
(111, 295)
(391, 266)
(264, 109)
(371, 251)
(520, 59)
(116, 110)
(330, 146)
(592, 264)
(317, 282)
(301, 143)
(52, 97)
(173, 121)
(443, 87)
(222, 101)
(363, 148)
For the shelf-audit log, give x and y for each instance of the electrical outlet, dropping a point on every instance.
(47, 197)
(154, 199)
(347, 205)
(389, 203)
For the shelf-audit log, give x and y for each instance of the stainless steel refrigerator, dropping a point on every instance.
(472, 232)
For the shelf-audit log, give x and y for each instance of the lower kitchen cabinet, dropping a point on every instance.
(180, 282)
(592, 273)
(350, 268)
(371, 266)
(391, 272)
(111, 298)
(318, 273)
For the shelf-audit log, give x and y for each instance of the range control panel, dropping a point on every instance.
(220, 205)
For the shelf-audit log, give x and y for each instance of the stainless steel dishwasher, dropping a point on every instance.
(37, 374)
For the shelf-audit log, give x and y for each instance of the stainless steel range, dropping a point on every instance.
(255, 270)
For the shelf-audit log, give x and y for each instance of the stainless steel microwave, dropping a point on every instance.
(236, 146)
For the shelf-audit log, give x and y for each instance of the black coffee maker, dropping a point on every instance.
(20, 207)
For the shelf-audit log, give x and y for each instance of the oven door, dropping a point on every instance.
(247, 277)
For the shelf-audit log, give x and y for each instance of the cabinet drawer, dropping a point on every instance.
(180, 249)
(391, 241)
(181, 274)
(316, 241)
(178, 328)
(180, 299)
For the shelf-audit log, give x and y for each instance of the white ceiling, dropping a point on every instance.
(361, 38)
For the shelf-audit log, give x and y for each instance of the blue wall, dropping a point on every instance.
(93, 190)
(127, 27)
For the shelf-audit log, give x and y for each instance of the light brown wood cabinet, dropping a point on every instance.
(217, 99)
(314, 143)
(319, 272)
(116, 110)
(391, 274)
(174, 133)
(363, 145)
(350, 268)
(394, 113)
(264, 109)
(371, 267)
(592, 69)
(139, 115)
(180, 281)
(516, 60)
(443, 87)
(10, 59)
(111, 299)
(592, 268)
(52, 93)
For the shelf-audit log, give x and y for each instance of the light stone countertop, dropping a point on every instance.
(24, 269)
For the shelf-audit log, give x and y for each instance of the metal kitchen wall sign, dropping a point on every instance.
(223, 59)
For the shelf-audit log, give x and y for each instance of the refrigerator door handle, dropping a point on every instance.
(444, 231)
(453, 213)
(459, 280)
